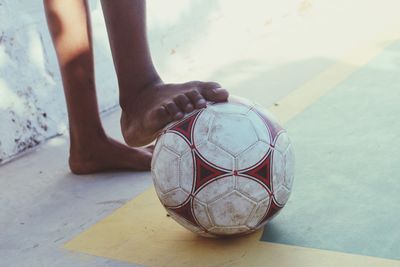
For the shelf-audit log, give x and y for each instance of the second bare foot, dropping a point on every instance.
(106, 154)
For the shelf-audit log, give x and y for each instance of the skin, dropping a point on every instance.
(148, 104)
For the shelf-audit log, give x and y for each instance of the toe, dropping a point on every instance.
(211, 85)
(174, 111)
(184, 103)
(197, 99)
(215, 94)
(163, 113)
(163, 116)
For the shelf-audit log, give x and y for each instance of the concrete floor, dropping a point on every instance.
(348, 165)
(43, 205)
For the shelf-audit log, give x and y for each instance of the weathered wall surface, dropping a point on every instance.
(32, 106)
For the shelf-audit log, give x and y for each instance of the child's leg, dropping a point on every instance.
(147, 103)
(91, 150)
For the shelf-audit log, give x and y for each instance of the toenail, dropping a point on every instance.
(189, 107)
(201, 102)
(178, 115)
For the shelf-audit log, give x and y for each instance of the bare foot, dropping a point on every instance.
(158, 104)
(106, 154)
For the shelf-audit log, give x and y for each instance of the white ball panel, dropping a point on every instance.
(290, 166)
(202, 127)
(278, 178)
(185, 223)
(282, 195)
(201, 213)
(216, 155)
(216, 190)
(186, 176)
(260, 212)
(259, 126)
(166, 170)
(251, 189)
(252, 155)
(174, 198)
(157, 149)
(229, 108)
(157, 187)
(205, 234)
(282, 142)
(283, 169)
(230, 230)
(278, 170)
(175, 143)
(231, 210)
(232, 133)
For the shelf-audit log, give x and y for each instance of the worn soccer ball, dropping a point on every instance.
(224, 170)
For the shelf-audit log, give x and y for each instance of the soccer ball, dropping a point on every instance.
(223, 170)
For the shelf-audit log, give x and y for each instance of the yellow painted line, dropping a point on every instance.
(304, 96)
(141, 233)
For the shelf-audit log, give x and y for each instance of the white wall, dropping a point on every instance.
(32, 106)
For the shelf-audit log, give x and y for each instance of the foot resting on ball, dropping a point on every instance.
(154, 106)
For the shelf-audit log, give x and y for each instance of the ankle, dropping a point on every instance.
(129, 93)
(83, 142)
